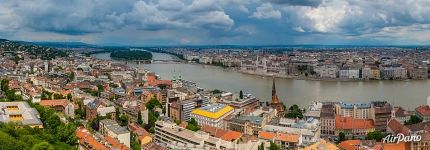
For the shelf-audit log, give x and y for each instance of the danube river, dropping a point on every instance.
(407, 94)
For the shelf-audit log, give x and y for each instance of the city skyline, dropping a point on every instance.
(223, 22)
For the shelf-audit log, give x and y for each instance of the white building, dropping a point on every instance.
(21, 113)
(171, 136)
(113, 129)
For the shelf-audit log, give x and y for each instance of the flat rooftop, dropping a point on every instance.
(30, 116)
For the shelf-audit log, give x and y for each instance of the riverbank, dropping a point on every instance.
(291, 91)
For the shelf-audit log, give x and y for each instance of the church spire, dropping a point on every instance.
(276, 103)
(273, 88)
(274, 96)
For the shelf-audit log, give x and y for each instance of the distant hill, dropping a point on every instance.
(65, 44)
(35, 51)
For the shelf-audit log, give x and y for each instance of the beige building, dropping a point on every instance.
(171, 136)
(212, 115)
(357, 111)
(113, 129)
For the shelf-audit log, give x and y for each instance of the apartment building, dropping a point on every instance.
(212, 115)
(174, 137)
(111, 128)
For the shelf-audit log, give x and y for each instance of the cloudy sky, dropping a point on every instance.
(214, 22)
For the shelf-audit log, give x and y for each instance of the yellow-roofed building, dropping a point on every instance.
(212, 115)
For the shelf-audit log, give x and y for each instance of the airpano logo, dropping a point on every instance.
(401, 138)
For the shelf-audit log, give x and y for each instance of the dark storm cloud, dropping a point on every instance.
(312, 3)
(205, 21)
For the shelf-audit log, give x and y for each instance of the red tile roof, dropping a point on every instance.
(266, 135)
(139, 130)
(395, 146)
(294, 138)
(350, 123)
(397, 127)
(423, 110)
(53, 103)
(115, 144)
(86, 139)
(349, 144)
(226, 135)
(231, 136)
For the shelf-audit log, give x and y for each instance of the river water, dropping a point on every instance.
(408, 94)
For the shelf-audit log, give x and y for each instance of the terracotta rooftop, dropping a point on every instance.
(226, 135)
(294, 138)
(139, 130)
(420, 126)
(395, 146)
(87, 139)
(350, 123)
(400, 112)
(53, 103)
(423, 110)
(398, 127)
(266, 135)
(231, 136)
(349, 144)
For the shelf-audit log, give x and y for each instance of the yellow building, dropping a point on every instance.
(212, 115)
(20, 113)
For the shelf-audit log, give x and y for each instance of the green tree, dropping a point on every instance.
(100, 88)
(58, 96)
(117, 113)
(274, 146)
(178, 122)
(216, 91)
(133, 142)
(123, 120)
(162, 86)
(193, 125)
(413, 120)
(375, 135)
(261, 146)
(4, 85)
(152, 103)
(139, 118)
(43, 146)
(241, 94)
(342, 137)
(294, 112)
(69, 97)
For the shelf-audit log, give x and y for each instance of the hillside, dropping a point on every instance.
(45, 53)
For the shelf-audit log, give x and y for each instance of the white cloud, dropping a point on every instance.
(299, 29)
(266, 11)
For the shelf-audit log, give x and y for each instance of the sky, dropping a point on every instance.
(218, 22)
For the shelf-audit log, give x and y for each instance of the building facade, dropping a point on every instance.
(212, 115)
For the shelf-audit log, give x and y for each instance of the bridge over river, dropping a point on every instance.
(159, 61)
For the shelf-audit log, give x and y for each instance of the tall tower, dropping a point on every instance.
(276, 103)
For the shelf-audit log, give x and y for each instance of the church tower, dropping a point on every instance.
(276, 103)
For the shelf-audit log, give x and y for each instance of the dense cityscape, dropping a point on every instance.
(75, 101)
(214, 75)
(356, 63)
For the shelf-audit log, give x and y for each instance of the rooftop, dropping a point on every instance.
(29, 115)
(53, 103)
(350, 123)
(213, 111)
(322, 144)
(423, 110)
